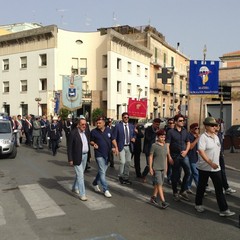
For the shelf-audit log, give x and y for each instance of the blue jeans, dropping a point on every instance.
(101, 175)
(79, 179)
(194, 175)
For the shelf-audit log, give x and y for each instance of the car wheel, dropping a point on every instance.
(13, 154)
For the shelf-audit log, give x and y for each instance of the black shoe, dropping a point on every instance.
(164, 205)
(112, 165)
(127, 182)
(153, 200)
(121, 180)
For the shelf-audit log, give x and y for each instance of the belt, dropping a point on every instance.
(85, 153)
(126, 145)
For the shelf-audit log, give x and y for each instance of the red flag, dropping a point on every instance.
(137, 108)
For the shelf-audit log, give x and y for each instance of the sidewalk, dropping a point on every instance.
(232, 160)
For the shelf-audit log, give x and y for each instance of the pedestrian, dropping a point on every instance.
(36, 133)
(158, 168)
(138, 149)
(193, 155)
(67, 126)
(226, 187)
(20, 128)
(77, 150)
(125, 137)
(178, 146)
(54, 135)
(27, 126)
(101, 140)
(44, 128)
(208, 165)
(149, 139)
(111, 127)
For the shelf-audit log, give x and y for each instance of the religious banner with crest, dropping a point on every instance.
(72, 92)
(137, 108)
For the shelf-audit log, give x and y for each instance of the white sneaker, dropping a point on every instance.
(230, 191)
(199, 208)
(96, 188)
(76, 191)
(226, 213)
(83, 198)
(107, 194)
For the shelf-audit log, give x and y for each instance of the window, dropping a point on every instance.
(172, 61)
(23, 85)
(5, 64)
(118, 86)
(129, 88)
(146, 72)
(164, 59)
(5, 87)
(138, 70)
(43, 60)
(23, 62)
(75, 66)
(129, 67)
(155, 55)
(119, 63)
(104, 61)
(83, 66)
(146, 91)
(43, 84)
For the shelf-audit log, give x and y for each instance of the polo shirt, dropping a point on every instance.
(177, 140)
(104, 142)
(211, 146)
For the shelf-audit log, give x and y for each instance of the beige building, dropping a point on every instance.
(165, 100)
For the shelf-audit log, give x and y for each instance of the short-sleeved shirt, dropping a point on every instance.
(104, 142)
(159, 156)
(177, 140)
(192, 154)
(211, 146)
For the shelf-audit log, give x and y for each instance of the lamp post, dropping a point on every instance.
(139, 93)
(38, 100)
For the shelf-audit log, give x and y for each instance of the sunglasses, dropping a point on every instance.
(196, 128)
(171, 123)
(125, 117)
(181, 120)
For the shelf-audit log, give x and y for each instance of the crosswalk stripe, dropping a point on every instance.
(95, 201)
(42, 205)
(2, 218)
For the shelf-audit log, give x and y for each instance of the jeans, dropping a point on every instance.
(125, 160)
(79, 179)
(101, 175)
(217, 182)
(194, 175)
(179, 162)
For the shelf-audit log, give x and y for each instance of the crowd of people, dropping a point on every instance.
(175, 153)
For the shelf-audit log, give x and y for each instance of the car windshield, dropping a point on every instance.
(5, 128)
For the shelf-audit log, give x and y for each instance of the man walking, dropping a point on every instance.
(124, 135)
(77, 149)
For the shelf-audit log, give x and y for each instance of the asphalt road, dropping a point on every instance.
(36, 203)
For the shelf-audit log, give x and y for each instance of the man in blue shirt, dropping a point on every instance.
(101, 140)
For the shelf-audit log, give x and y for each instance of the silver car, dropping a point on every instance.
(7, 139)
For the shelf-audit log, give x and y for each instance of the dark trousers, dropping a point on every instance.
(223, 172)
(146, 169)
(217, 182)
(178, 163)
(137, 163)
(55, 146)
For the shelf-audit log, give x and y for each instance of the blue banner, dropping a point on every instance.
(203, 77)
(72, 92)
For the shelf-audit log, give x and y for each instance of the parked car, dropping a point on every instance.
(232, 137)
(7, 139)
(150, 122)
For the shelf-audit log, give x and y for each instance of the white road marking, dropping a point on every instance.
(42, 205)
(96, 201)
(2, 218)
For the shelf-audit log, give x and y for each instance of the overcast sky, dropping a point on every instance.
(192, 23)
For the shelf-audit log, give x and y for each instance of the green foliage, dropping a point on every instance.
(97, 112)
(63, 112)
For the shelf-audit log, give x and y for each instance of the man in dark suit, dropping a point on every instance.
(77, 149)
(124, 135)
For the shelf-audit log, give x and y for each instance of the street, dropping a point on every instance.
(36, 202)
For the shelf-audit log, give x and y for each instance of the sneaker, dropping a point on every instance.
(164, 205)
(226, 213)
(189, 191)
(83, 198)
(229, 191)
(107, 194)
(153, 200)
(96, 188)
(176, 197)
(76, 191)
(199, 208)
(184, 196)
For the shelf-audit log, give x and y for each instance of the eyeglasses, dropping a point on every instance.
(196, 128)
(171, 123)
(181, 120)
(125, 117)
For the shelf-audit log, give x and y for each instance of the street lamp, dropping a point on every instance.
(139, 93)
(38, 100)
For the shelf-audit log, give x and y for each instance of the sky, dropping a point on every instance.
(193, 24)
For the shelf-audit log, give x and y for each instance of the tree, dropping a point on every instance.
(97, 112)
(63, 113)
